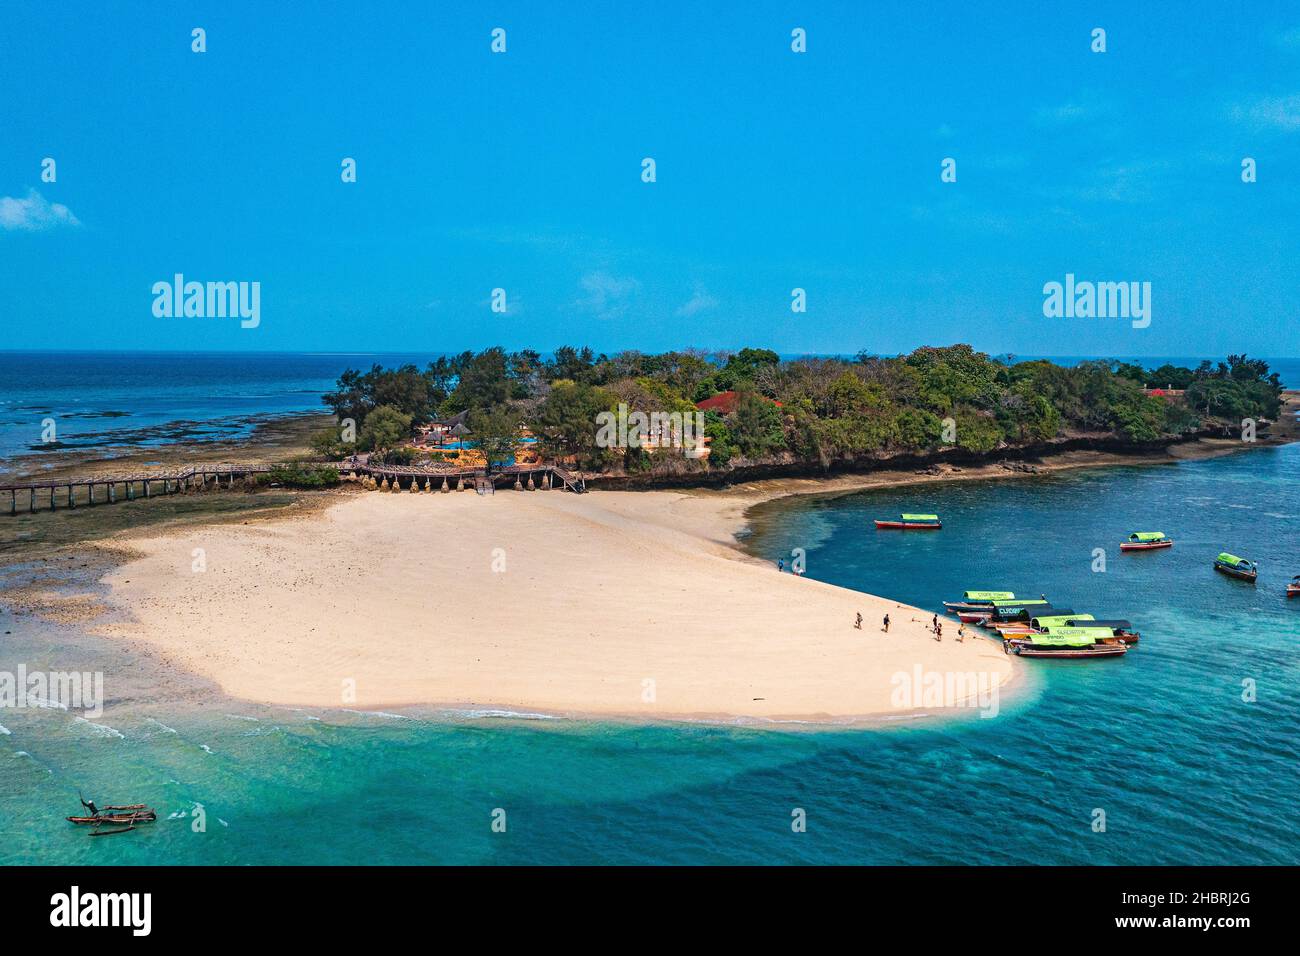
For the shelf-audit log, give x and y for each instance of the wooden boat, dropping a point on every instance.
(1293, 589)
(1120, 629)
(1146, 541)
(135, 816)
(909, 522)
(1236, 567)
(1040, 624)
(1087, 642)
(978, 600)
(1008, 612)
(116, 819)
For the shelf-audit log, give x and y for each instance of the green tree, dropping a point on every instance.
(756, 426)
(495, 431)
(385, 427)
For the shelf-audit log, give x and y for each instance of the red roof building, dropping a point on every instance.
(724, 403)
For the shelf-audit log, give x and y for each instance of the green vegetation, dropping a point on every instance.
(813, 410)
(299, 474)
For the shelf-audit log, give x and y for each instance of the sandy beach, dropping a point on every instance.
(634, 605)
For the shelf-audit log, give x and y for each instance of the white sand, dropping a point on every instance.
(630, 604)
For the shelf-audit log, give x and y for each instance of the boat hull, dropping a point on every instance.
(1066, 653)
(116, 819)
(1235, 573)
(1139, 546)
(1292, 591)
(908, 526)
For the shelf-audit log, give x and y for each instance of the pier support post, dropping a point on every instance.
(460, 483)
(519, 485)
(31, 505)
(72, 503)
(148, 492)
(112, 493)
(546, 481)
(415, 486)
(51, 497)
(13, 502)
(90, 494)
(531, 485)
(445, 486)
(130, 490)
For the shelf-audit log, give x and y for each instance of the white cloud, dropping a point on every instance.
(1274, 112)
(701, 301)
(607, 294)
(34, 213)
(1067, 113)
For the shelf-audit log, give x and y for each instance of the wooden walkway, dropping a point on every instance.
(50, 494)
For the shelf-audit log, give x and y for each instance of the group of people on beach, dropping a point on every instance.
(936, 625)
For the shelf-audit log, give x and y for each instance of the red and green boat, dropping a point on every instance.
(1146, 541)
(910, 522)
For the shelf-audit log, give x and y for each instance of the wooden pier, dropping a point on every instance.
(93, 490)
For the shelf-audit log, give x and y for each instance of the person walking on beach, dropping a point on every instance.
(886, 623)
(938, 629)
(961, 633)
(780, 565)
(858, 623)
(934, 624)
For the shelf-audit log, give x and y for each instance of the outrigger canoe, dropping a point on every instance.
(912, 523)
(122, 819)
(1236, 567)
(1146, 541)
(1088, 642)
(1293, 589)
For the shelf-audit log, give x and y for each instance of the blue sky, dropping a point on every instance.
(775, 170)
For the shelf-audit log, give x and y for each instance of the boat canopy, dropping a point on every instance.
(1115, 623)
(1008, 614)
(1058, 620)
(1147, 536)
(1231, 559)
(1072, 639)
(920, 517)
(1009, 602)
(988, 596)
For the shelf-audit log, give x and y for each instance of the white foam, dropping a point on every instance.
(5, 730)
(101, 730)
(503, 714)
(378, 713)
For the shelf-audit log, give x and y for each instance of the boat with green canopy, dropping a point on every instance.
(1068, 644)
(975, 600)
(987, 613)
(1041, 624)
(1146, 541)
(1236, 567)
(911, 522)
(1007, 611)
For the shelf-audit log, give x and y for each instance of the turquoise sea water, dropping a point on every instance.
(1161, 740)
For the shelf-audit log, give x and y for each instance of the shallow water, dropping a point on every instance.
(1161, 740)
